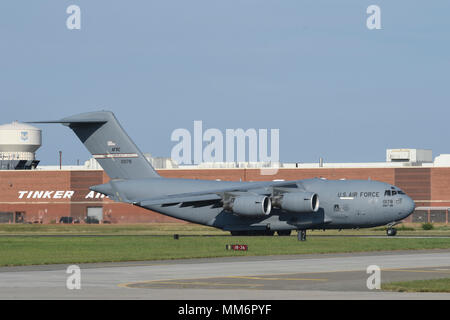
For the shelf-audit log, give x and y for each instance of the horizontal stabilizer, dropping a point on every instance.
(118, 195)
(71, 122)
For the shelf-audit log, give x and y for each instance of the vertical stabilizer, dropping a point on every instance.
(109, 144)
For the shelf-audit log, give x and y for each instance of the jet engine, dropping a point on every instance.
(250, 206)
(297, 202)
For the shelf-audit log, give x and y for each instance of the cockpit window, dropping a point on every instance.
(393, 192)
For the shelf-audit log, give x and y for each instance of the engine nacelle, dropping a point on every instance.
(250, 206)
(298, 202)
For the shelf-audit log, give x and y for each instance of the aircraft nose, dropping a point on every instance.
(409, 205)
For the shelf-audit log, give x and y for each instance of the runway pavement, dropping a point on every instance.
(324, 276)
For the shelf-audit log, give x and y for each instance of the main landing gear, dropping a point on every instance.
(301, 235)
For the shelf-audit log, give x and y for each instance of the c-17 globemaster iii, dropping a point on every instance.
(243, 208)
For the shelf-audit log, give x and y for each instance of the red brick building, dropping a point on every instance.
(46, 196)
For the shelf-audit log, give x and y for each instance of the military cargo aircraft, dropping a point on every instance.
(243, 208)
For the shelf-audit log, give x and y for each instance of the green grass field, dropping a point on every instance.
(23, 244)
(435, 285)
(189, 229)
(109, 229)
(26, 250)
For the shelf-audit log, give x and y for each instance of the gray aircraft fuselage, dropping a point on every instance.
(343, 204)
(235, 206)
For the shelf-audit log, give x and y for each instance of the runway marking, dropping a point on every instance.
(178, 282)
(418, 271)
(208, 284)
(442, 269)
(277, 279)
(128, 284)
(131, 265)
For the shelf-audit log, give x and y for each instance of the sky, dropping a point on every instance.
(311, 69)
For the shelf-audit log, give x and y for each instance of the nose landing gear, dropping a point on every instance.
(391, 232)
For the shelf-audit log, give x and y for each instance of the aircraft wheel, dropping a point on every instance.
(301, 235)
(391, 232)
(284, 233)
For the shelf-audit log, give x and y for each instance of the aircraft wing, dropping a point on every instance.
(178, 199)
(210, 195)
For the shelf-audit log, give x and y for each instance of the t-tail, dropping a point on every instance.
(109, 144)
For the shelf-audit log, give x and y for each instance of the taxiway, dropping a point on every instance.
(324, 276)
